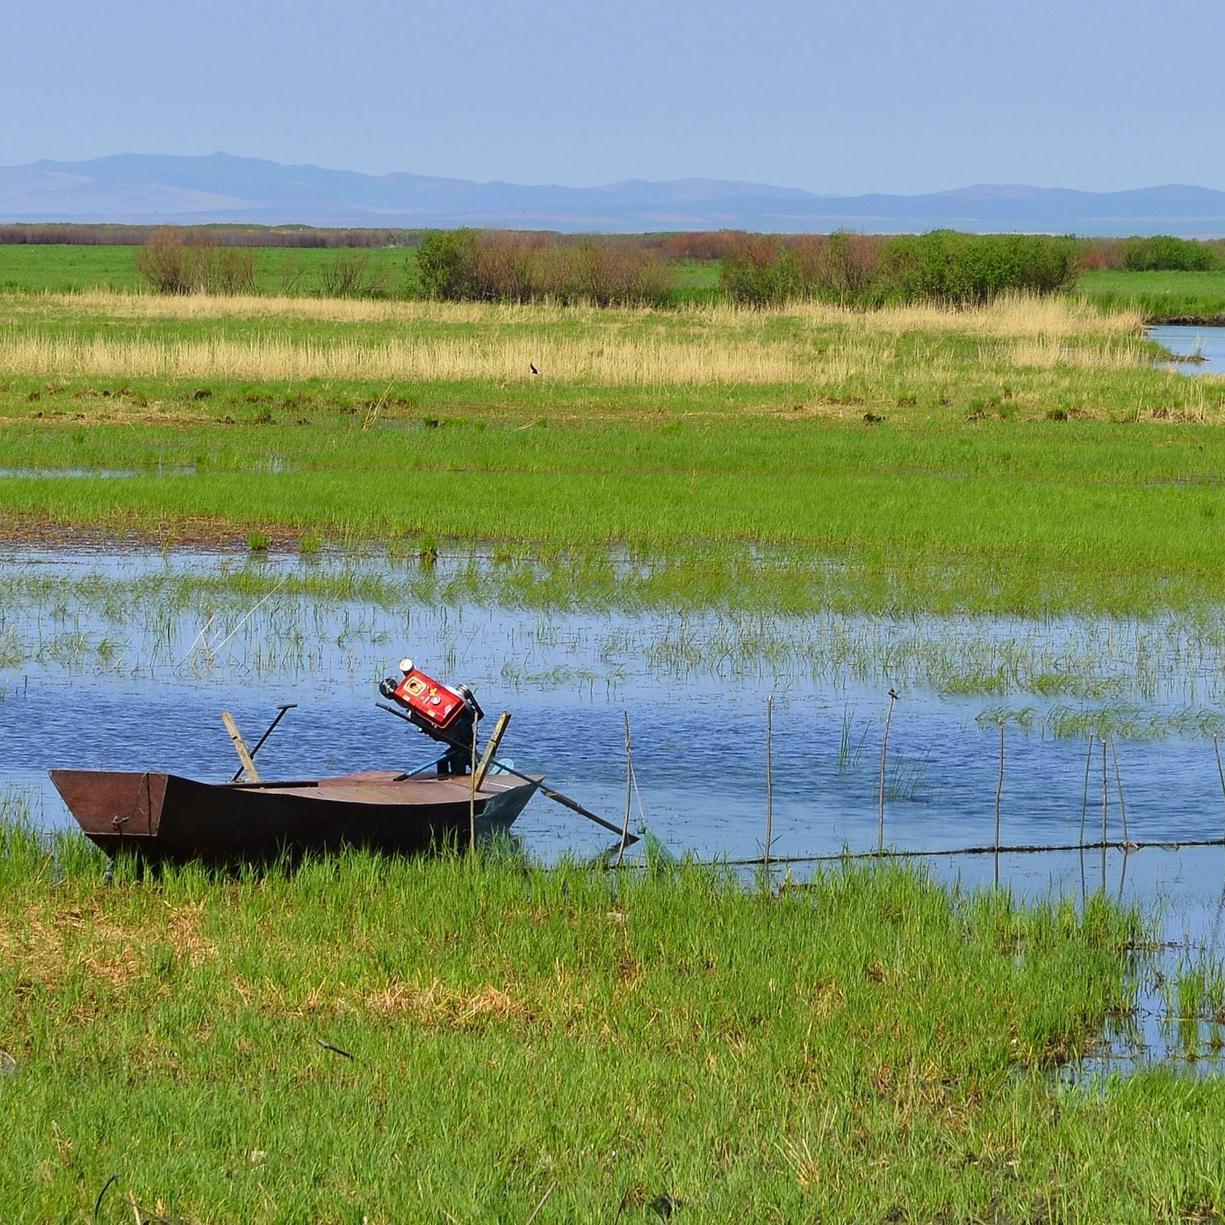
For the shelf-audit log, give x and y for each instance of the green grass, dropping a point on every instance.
(1164, 297)
(570, 1044)
(998, 517)
(697, 280)
(65, 268)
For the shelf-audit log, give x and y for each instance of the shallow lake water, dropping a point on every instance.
(1193, 341)
(125, 659)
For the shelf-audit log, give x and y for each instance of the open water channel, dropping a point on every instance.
(1204, 344)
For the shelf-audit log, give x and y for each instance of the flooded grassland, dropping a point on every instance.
(1006, 517)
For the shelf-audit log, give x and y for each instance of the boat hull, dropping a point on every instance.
(162, 816)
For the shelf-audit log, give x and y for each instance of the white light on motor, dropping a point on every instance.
(406, 666)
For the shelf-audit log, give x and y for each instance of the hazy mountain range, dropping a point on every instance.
(155, 188)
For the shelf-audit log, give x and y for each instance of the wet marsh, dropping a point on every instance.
(1006, 516)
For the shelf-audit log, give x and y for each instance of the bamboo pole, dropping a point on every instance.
(999, 791)
(472, 793)
(1216, 748)
(769, 783)
(884, 750)
(1084, 798)
(1118, 786)
(1105, 811)
(629, 786)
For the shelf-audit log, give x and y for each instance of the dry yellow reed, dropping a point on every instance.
(1010, 316)
(611, 361)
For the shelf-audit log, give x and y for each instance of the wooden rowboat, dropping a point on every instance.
(166, 817)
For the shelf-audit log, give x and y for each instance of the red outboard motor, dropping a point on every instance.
(437, 704)
(443, 713)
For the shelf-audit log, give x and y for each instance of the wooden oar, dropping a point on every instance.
(556, 796)
(259, 744)
(240, 747)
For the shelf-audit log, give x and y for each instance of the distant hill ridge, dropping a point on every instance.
(152, 188)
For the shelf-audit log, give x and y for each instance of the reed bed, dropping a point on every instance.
(1009, 316)
(1047, 351)
(498, 359)
(701, 346)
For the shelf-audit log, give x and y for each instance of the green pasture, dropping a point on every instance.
(365, 1040)
(67, 268)
(980, 519)
(1162, 296)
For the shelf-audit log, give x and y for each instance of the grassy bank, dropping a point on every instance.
(560, 1043)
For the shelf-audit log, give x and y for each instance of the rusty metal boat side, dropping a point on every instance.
(166, 816)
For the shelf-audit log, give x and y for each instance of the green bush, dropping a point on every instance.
(503, 266)
(1163, 252)
(761, 270)
(864, 271)
(948, 266)
(179, 261)
(446, 265)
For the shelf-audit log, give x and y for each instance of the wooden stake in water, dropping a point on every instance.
(999, 791)
(884, 751)
(1084, 798)
(1118, 786)
(629, 785)
(1105, 811)
(1216, 748)
(769, 782)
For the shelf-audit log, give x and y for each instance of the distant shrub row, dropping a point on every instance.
(1160, 252)
(864, 270)
(1139, 254)
(181, 261)
(754, 269)
(505, 266)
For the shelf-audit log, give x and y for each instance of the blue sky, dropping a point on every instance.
(847, 98)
